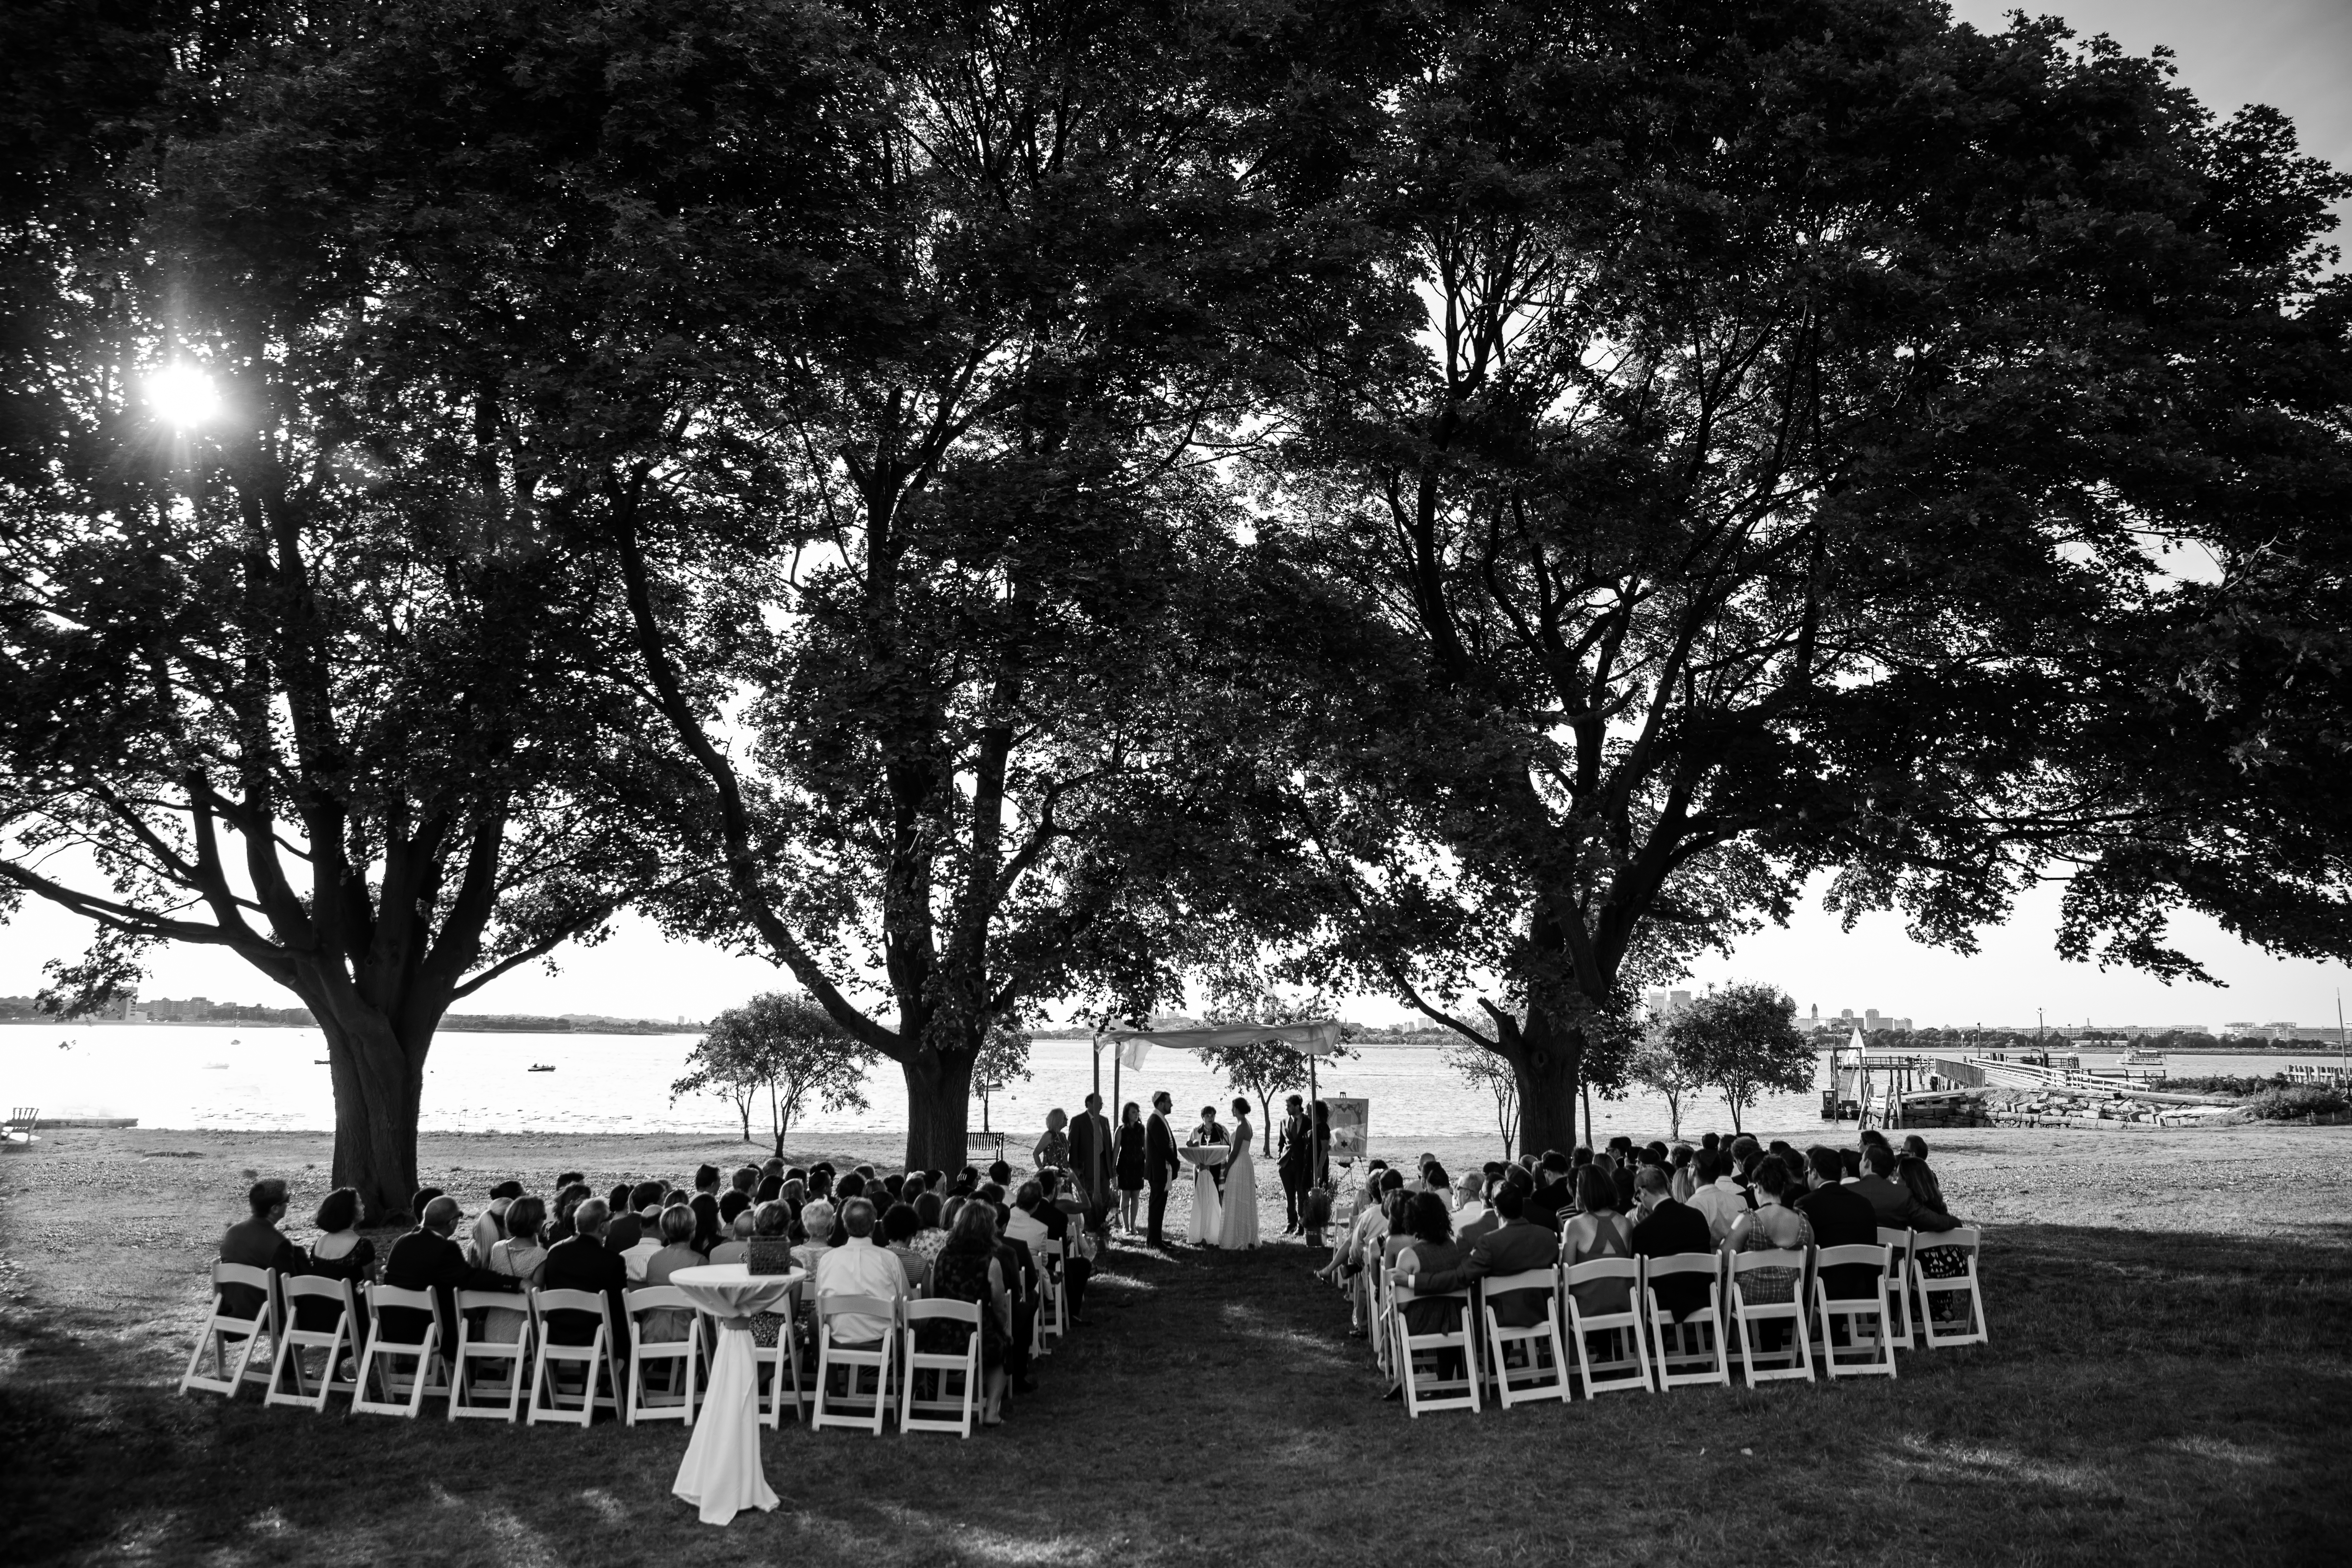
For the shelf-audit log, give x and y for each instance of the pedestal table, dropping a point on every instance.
(721, 1473)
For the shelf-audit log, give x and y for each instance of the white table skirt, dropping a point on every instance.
(721, 1473)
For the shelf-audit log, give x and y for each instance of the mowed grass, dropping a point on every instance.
(2149, 1396)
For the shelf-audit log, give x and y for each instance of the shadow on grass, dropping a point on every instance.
(2148, 1397)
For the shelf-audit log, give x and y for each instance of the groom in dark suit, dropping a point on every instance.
(1160, 1164)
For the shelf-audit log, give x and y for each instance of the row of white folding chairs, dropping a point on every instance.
(1649, 1350)
(393, 1377)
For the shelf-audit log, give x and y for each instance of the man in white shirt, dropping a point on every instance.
(855, 1267)
(1716, 1196)
(1469, 1200)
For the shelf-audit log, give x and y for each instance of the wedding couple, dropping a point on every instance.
(1224, 1191)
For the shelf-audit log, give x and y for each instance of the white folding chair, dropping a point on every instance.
(851, 1361)
(294, 1338)
(1964, 1323)
(403, 1391)
(780, 1361)
(917, 1413)
(1898, 1245)
(1869, 1349)
(1054, 1301)
(515, 1355)
(682, 1357)
(222, 1326)
(1796, 1361)
(1543, 1373)
(1690, 1354)
(1628, 1363)
(1379, 1278)
(1437, 1391)
(552, 1361)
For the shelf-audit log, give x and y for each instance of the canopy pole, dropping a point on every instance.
(1314, 1139)
(1097, 1063)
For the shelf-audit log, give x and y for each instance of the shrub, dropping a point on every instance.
(2220, 1085)
(2303, 1100)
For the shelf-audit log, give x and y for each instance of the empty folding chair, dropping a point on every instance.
(1944, 1280)
(223, 1325)
(680, 1359)
(1756, 1303)
(1541, 1370)
(553, 1362)
(333, 1342)
(1869, 1348)
(940, 1391)
(1691, 1353)
(1626, 1362)
(1054, 1298)
(1440, 1389)
(851, 1359)
(404, 1388)
(500, 1363)
(1898, 1245)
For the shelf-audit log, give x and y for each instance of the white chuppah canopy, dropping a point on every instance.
(1317, 1038)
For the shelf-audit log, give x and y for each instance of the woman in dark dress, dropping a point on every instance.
(1131, 1163)
(966, 1270)
(343, 1253)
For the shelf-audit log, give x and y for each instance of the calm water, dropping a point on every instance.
(203, 1076)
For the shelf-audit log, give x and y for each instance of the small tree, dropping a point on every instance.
(1482, 1069)
(1742, 1040)
(1261, 1069)
(785, 1047)
(1004, 1059)
(1657, 1065)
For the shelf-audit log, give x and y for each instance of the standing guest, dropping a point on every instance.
(489, 1227)
(1669, 1229)
(1294, 1160)
(1322, 1166)
(428, 1258)
(343, 1253)
(857, 1268)
(1090, 1162)
(898, 1228)
(1132, 1151)
(968, 1268)
(1054, 1147)
(1841, 1217)
(1161, 1166)
(257, 1243)
(582, 1262)
(520, 1258)
(1599, 1231)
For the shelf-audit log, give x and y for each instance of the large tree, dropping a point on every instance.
(953, 615)
(1777, 472)
(329, 680)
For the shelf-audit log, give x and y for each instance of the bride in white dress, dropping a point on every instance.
(1208, 1220)
(1239, 1222)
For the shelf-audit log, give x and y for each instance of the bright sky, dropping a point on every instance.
(2293, 54)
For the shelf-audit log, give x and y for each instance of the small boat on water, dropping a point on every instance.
(539, 1066)
(2152, 1061)
(216, 1067)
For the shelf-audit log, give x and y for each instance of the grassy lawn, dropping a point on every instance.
(2152, 1394)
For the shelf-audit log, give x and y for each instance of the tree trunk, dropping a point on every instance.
(939, 1107)
(1545, 1064)
(379, 1084)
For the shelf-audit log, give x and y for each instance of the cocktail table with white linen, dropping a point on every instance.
(721, 1474)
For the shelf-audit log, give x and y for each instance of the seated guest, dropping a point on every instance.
(816, 1220)
(1598, 1231)
(1717, 1198)
(771, 1188)
(582, 1262)
(1684, 1179)
(745, 1181)
(1469, 1196)
(1551, 1194)
(1430, 1251)
(1621, 1174)
(770, 1251)
(1515, 1245)
(617, 1200)
(1775, 1224)
(1484, 1217)
(428, 1258)
(706, 1180)
(1891, 1201)
(1435, 1179)
(1841, 1217)
(1914, 1171)
(1001, 1174)
(1053, 1210)
(567, 1198)
(677, 1251)
(737, 1248)
(1400, 1227)
(855, 1267)
(930, 1224)
(1669, 1229)
(520, 1257)
(707, 1228)
(1849, 1164)
(847, 1188)
(968, 1268)
(489, 1226)
(343, 1253)
(898, 1228)
(894, 1188)
(641, 1252)
(570, 1178)
(257, 1243)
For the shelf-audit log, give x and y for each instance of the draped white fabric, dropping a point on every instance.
(721, 1474)
(1318, 1037)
